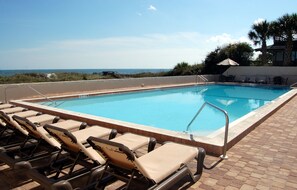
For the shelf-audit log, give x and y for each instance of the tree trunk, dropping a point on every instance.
(264, 53)
(288, 51)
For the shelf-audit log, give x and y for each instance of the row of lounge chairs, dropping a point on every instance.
(59, 153)
(278, 80)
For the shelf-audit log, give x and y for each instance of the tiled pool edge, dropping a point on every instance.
(255, 119)
(212, 145)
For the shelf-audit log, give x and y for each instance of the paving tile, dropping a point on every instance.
(231, 188)
(211, 182)
(247, 187)
(262, 187)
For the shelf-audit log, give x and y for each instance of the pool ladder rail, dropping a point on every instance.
(203, 78)
(224, 155)
(52, 102)
(294, 85)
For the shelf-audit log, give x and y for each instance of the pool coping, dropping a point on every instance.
(213, 144)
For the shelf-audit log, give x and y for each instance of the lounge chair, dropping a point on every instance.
(34, 127)
(241, 79)
(14, 110)
(33, 147)
(261, 79)
(161, 168)
(11, 131)
(78, 153)
(4, 106)
(76, 141)
(10, 123)
(252, 79)
(81, 152)
(10, 110)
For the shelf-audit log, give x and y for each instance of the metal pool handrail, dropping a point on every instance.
(224, 155)
(293, 85)
(203, 78)
(52, 101)
(18, 85)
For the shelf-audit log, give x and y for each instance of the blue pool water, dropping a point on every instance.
(174, 108)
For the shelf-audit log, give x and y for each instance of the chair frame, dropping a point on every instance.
(32, 148)
(132, 173)
(63, 161)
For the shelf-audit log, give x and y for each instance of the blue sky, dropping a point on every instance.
(76, 34)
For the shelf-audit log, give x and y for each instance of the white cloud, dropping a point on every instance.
(152, 8)
(182, 39)
(221, 39)
(224, 39)
(147, 51)
(259, 20)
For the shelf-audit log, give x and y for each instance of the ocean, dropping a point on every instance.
(86, 71)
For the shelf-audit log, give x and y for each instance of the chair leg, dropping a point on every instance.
(57, 157)
(3, 130)
(9, 137)
(74, 163)
(58, 172)
(53, 163)
(113, 134)
(33, 151)
(152, 144)
(173, 179)
(130, 180)
(24, 143)
(97, 186)
(200, 162)
(59, 169)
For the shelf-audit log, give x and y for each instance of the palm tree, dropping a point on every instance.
(259, 33)
(285, 28)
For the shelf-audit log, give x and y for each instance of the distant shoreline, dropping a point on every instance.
(83, 71)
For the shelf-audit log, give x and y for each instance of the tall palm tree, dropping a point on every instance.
(286, 29)
(259, 33)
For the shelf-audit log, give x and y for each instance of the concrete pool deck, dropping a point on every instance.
(264, 159)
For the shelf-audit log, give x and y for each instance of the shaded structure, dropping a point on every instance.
(278, 48)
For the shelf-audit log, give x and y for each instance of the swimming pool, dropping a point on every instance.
(173, 108)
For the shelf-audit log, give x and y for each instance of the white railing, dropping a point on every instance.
(44, 96)
(30, 87)
(224, 155)
(294, 85)
(203, 78)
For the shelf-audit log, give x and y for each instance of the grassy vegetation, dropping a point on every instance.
(40, 77)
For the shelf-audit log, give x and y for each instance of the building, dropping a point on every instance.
(278, 51)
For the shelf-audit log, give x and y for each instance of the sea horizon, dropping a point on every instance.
(11, 72)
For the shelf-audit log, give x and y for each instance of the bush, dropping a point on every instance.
(184, 68)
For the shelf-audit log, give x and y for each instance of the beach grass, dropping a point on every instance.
(70, 76)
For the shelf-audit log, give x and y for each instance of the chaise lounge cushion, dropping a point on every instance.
(94, 130)
(4, 106)
(13, 110)
(132, 141)
(69, 124)
(8, 118)
(165, 160)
